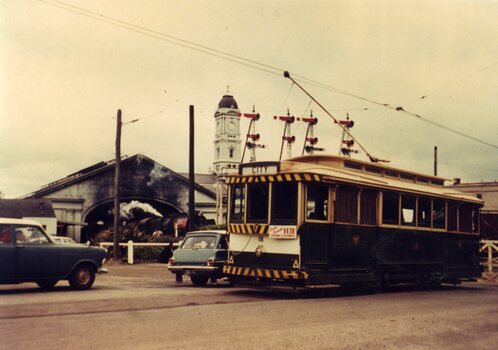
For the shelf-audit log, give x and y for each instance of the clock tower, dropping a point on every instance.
(227, 137)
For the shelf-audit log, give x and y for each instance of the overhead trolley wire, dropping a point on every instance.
(248, 62)
(452, 83)
(164, 37)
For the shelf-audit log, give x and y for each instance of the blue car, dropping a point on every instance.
(201, 256)
(28, 254)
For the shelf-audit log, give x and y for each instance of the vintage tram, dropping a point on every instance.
(329, 220)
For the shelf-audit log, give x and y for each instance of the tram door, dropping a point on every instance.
(315, 243)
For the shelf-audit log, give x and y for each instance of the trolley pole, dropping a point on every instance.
(191, 181)
(117, 177)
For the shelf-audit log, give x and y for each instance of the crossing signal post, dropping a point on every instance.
(252, 137)
(310, 142)
(286, 137)
(347, 142)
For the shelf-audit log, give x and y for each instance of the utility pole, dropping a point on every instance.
(435, 160)
(191, 180)
(117, 178)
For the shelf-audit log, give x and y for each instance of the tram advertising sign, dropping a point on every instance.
(282, 232)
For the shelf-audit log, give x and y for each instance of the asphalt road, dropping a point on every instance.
(141, 307)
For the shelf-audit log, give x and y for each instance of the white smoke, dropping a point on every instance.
(126, 209)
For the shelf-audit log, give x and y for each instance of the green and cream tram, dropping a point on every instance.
(319, 220)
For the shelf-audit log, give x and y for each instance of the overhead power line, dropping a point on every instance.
(252, 63)
(452, 83)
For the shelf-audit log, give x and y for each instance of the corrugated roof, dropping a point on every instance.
(101, 167)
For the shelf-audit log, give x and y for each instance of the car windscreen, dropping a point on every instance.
(199, 242)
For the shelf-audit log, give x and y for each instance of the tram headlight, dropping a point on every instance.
(259, 251)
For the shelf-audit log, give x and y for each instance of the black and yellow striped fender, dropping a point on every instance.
(248, 228)
(264, 273)
(288, 177)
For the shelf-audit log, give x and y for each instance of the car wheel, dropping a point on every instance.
(47, 284)
(82, 277)
(199, 281)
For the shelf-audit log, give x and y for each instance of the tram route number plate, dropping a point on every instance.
(282, 232)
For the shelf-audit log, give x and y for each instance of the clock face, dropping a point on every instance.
(231, 126)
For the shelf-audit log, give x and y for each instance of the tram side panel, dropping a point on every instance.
(461, 256)
(335, 254)
(404, 254)
(338, 253)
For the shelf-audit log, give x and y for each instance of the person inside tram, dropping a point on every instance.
(318, 212)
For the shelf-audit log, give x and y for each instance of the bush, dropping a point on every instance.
(160, 254)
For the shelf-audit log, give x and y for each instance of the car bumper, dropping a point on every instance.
(193, 269)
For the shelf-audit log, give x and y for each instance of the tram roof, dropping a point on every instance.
(346, 170)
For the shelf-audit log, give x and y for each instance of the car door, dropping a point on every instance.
(36, 256)
(7, 253)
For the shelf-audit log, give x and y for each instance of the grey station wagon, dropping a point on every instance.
(28, 254)
(201, 256)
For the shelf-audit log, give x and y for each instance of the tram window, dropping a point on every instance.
(452, 216)
(257, 202)
(438, 182)
(284, 202)
(424, 212)
(371, 169)
(346, 204)
(317, 202)
(439, 210)
(408, 210)
(237, 203)
(390, 208)
(368, 207)
(475, 220)
(407, 177)
(465, 218)
(351, 165)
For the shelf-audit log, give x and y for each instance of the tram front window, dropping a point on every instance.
(284, 203)
(257, 202)
(237, 205)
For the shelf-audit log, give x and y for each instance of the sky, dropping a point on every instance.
(64, 73)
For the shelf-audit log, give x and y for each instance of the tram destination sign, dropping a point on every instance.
(282, 232)
(259, 168)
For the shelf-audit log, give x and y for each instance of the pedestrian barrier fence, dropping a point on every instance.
(491, 247)
(131, 245)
